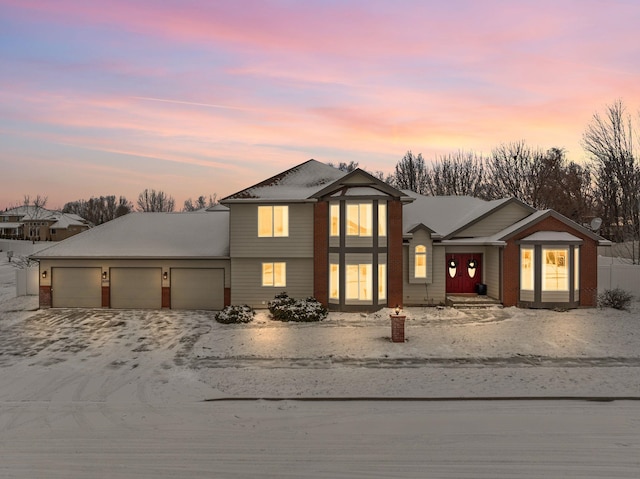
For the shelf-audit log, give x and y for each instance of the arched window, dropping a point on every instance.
(420, 269)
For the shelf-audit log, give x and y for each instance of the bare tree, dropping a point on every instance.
(457, 174)
(99, 210)
(610, 142)
(200, 203)
(343, 166)
(155, 201)
(411, 174)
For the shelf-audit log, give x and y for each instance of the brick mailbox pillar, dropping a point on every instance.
(397, 328)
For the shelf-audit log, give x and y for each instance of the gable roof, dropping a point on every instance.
(447, 215)
(295, 184)
(543, 214)
(149, 235)
(360, 183)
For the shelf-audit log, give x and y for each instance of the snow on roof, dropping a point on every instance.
(444, 214)
(149, 235)
(65, 220)
(297, 183)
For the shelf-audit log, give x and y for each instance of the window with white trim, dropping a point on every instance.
(420, 261)
(274, 274)
(273, 221)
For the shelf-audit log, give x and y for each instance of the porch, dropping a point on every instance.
(465, 301)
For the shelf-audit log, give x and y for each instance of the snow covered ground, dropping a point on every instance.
(109, 393)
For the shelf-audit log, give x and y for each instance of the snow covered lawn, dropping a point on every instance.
(120, 393)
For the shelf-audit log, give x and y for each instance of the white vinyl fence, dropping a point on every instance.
(616, 273)
(27, 281)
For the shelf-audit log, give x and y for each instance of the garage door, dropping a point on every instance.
(193, 288)
(136, 288)
(76, 288)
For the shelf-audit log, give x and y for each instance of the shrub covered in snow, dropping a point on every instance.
(615, 298)
(235, 314)
(284, 308)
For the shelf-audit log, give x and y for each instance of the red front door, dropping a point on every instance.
(463, 271)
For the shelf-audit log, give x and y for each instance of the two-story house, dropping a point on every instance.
(347, 239)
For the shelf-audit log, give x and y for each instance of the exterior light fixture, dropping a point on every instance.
(165, 275)
(397, 310)
(104, 275)
(44, 274)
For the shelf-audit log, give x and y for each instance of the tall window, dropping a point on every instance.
(359, 281)
(527, 268)
(382, 219)
(273, 221)
(274, 274)
(359, 219)
(334, 281)
(420, 253)
(334, 212)
(555, 269)
(382, 281)
(576, 268)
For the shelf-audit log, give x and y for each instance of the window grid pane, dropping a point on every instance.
(335, 220)
(352, 281)
(267, 274)
(279, 274)
(555, 270)
(265, 221)
(382, 281)
(334, 281)
(366, 281)
(420, 265)
(366, 219)
(382, 219)
(353, 213)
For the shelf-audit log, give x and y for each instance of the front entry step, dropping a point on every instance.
(471, 301)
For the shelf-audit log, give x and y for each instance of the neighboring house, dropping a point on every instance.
(39, 224)
(348, 239)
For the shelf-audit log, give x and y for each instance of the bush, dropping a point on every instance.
(284, 308)
(615, 298)
(235, 315)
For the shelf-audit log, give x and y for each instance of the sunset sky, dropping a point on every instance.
(195, 97)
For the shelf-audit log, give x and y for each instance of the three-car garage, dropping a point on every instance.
(142, 261)
(138, 287)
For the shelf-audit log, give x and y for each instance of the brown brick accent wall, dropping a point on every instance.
(106, 297)
(588, 263)
(394, 254)
(44, 296)
(166, 297)
(321, 252)
(227, 296)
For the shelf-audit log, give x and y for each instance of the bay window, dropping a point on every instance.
(527, 271)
